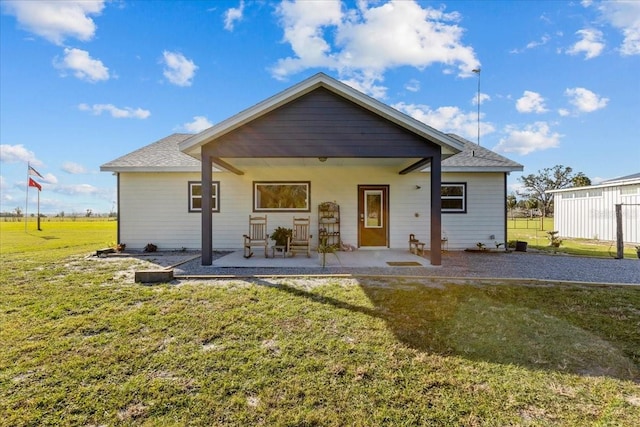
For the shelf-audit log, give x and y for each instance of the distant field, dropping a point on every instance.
(63, 237)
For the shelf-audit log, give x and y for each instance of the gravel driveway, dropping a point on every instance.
(526, 265)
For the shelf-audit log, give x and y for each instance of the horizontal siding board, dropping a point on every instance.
(485, 212)
(321, 124)
(154, 206)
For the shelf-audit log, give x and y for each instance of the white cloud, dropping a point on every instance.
(412, 85)
(118, 113)
(365, 82)
(543, 40)
(82, 65)
(361, 44)
(232, 15)
(625, 16)
(50, 178)
(3, 183)
(483, 98)
(531, 102)
(178, 69)
(73, 168)
(591, 43)
(57, 20)
(198, 124)
(77, 189)
(584, 100)
(533, 137)
(533, 44)
(563, 112)
(18, 154)
(447, 119)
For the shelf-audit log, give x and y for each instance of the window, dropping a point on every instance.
(630, 190)
(282, 196)
(454, 197)
(374, 208)
(195, 196)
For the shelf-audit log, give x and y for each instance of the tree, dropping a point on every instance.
(512, 201)
(580, 180)
(537, 186)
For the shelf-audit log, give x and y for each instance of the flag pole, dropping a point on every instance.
(26, 202)
(39, 229)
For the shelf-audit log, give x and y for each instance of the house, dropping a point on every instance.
(590, 212)
(320, 140)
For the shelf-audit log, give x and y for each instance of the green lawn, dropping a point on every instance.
(534, 232)
(81, 344)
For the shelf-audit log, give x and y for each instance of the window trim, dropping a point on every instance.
(215, 202)
(256, 184)
(463, 185)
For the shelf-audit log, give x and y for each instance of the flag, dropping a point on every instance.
(32, 183)
(34, 172)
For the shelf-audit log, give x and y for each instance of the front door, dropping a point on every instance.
(373, 215)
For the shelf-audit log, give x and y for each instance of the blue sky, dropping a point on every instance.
(84, 82)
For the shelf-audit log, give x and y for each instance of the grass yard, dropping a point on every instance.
(534, 233)
(81, 344)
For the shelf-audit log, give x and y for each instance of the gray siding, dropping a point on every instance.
(321, 123)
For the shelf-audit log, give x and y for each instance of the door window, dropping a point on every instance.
(373, 209)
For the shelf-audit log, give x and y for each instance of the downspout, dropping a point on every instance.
(118, 236)
(506, 246)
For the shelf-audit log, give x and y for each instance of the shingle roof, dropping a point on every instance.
(165, 156)
(475, 157)
(161, 155)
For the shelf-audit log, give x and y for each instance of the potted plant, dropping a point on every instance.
(324, 249)
(554, 240)
(281, 236)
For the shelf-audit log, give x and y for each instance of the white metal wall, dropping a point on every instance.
(594, 217)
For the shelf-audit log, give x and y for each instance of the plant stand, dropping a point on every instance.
(279, 249)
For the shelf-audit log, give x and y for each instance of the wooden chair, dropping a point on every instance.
(257, 236)
(415, 245)
(300, 240)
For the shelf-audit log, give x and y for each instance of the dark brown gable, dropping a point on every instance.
(321, 124)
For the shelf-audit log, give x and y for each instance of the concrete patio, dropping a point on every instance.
(355, 259)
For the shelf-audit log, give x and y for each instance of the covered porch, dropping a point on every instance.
(323, 120)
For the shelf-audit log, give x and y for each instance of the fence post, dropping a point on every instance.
(619, 238)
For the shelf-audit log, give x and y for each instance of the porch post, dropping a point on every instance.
(436, 211)
(207, 216)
